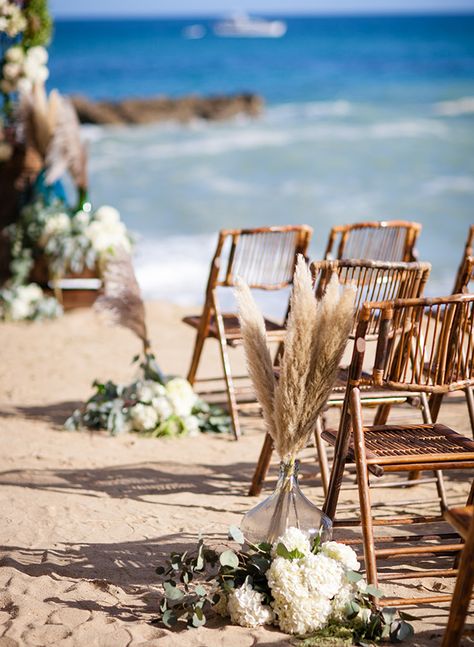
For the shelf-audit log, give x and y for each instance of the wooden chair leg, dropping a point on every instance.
(198, 346)
(462, 594)
(262, 466)
(470, 406)
(322, 456)
(363, 486)
(231, 399)
(338, 465)
(382, 413)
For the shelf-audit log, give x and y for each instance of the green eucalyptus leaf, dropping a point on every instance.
(352, 609)
(200, 590)
(370, 589)
(400, 631)
(172, 592)
(229, 558)
(353, 576)
(169, 618)
(236, 534)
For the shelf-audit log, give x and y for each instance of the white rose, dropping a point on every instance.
(81, 218)
(341, 553)
(246, 609)
(181, 395)
(15, 54)
(30, 68)
(11, 71)
(162, 406)
(143, 417)
(292, 539)
(145, 393)
(56, 224)
(42, 74)
(38, 54)
(106, 236)
(108, 215)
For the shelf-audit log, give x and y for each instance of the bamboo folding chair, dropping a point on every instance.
(373, 281)
(462, 520)
(446, 327)
(265, 259)
(391, 240)
(465, 271)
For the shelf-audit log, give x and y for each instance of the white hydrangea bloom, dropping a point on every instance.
(31, 292)
(157, 388)
(322, 574)
(38, 54)
(143, 417)
(298, 609)
(181, 396)
(246, 609)
(293, 538)
(341, 553)
(342, 599)
(107, 232)
(56, 224)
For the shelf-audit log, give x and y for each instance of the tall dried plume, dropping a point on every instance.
(259, 361)
(121, 300)
(316, 335)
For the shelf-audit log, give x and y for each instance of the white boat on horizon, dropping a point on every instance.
(243, 26)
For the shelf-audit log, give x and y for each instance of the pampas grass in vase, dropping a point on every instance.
(316, 335)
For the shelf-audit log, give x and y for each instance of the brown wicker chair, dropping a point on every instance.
(462, 520)
(392, 240)
(373, 280)
(465, 271)
(447, 326)
(265, 258)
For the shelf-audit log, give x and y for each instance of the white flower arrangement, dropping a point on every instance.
(152, 405)
(23, 68)
(27, 302)
(12, 21)
(303, 586)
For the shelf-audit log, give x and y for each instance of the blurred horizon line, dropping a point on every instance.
(294, 14)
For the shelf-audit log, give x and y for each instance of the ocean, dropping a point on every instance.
(366, 118)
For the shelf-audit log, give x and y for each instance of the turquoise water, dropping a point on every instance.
(366, 118)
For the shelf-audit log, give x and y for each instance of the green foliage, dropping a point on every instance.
(194, 581)
(39, 23)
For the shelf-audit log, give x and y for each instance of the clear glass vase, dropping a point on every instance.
(286, 507)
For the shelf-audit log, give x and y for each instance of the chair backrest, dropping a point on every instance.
(466, 269)
(423, 344)
(264, 258)
(373, 280)
(392, 240)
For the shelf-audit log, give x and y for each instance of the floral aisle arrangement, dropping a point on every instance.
(304, 586)
(153, 404)
(316, 335)
(67, 241)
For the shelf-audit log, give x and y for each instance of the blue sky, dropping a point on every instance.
(213, 7)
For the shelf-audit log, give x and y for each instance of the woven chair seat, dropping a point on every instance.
(275, 331)
(386, 442)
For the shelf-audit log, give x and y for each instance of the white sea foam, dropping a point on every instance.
(292, 111)
(449, 184)
(455, 108)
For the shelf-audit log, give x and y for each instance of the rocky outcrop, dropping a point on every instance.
(145, 111)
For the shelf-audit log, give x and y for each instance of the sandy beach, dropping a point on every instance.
(86, 517)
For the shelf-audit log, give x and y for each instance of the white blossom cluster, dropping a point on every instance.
(27, 302)
(307, 590)
(157, 403)
(23, 68)
(12, 21)
(80, 240)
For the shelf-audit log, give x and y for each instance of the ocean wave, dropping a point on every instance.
(455, 108)
(449, 184)
(289, 111)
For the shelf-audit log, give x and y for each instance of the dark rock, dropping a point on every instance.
(145, 111)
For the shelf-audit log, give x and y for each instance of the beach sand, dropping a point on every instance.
(86, 518)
